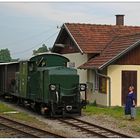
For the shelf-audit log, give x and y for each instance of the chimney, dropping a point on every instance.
(119, 19)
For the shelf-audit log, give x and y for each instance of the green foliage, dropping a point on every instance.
(94, 103)
(50, 49)
(41, 49)
(14, 60)
(5, 55)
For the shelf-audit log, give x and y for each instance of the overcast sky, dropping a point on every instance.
(26, 26)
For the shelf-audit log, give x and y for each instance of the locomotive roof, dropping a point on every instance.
(39, 54)
(8, 63)
(49, 53)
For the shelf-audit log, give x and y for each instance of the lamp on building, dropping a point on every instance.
(60, 45)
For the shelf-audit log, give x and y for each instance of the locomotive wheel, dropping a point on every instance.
(63, 113)
(44, 110)
(7, 98)
(37, 108)
(52, 113)
(20, 102)
(15, 99)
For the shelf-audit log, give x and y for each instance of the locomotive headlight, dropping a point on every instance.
(52, 87)
(82, 87)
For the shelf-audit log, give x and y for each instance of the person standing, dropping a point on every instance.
(130, 103)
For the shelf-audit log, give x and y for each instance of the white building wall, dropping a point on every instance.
(93, 94)
(79, 59)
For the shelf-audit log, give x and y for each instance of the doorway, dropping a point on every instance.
(129, 78)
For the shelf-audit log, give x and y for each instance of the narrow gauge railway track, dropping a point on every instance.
(24, 130)
(92, 130)
(8, 132)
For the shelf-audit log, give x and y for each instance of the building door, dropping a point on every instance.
(128, 78)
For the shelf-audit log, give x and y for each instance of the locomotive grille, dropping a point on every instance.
(68, 99)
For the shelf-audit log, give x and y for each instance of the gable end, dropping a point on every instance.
(131, 58)
(67, 40)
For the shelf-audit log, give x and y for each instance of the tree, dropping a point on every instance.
(41, 49)
(50, 49)
(5, 55)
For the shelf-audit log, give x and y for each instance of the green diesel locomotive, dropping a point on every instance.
(46, 84)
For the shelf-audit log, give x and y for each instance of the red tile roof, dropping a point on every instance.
(93, 38)
(114, 49)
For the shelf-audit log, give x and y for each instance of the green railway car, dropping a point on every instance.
(46, 84)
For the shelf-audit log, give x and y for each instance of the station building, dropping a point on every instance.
(107, 58)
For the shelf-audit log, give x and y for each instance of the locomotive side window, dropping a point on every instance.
(31, 67)
(43, 64)
(24, 70)
(71, 64)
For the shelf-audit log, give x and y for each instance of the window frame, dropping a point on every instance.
(98, 84)
(102, 85)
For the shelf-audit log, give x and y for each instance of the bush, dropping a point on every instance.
(94, 103)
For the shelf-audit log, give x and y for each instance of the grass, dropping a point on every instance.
(122, 125)
(5, 108)
(136, 128)
(115, 114)
(19, 116)
(23, 116)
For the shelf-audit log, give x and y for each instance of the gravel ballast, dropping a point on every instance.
(53, 125)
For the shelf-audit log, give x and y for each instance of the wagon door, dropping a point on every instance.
(128, 78)
(36, 86)
(23, 79)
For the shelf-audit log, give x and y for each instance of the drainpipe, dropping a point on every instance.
(109, 79)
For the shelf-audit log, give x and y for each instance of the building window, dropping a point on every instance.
(96, 86)
(102, 85)
(71, 64)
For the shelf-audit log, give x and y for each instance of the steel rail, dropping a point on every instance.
(93, 129)
(24, 128)
(21, 132)
(103, 128)
(82, 128)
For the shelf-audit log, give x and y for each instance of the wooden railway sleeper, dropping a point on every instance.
(102, 128)
(89, 131)
(14, 128)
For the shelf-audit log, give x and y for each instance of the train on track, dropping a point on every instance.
(44, 83)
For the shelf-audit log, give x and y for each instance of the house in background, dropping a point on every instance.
(107, 58)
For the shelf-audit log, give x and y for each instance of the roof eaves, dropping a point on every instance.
(73, 38)
(57, 38)
(87, 67)
(119, 55)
